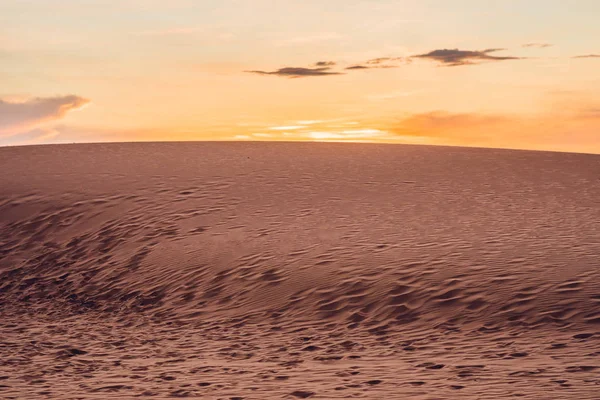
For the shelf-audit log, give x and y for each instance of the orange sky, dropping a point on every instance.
(509, 75)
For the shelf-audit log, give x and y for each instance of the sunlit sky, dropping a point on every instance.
(509, 74)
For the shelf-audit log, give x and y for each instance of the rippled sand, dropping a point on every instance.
(278, 270)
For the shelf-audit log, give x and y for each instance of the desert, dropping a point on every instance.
(221, 270)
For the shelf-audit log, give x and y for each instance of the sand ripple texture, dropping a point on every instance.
(280, 270)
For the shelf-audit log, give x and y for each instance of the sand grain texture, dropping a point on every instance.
(277, 270)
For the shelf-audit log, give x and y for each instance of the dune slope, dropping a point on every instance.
(279, 270)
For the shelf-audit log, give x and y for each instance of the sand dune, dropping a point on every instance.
(277, 270)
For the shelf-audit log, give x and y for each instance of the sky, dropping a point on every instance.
(506, 74)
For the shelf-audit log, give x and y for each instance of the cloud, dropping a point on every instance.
(456, 57)
(444, 120)
(451, 128)
(357, 67)
(448, 57)
(19, 116)
(588, 56)
(298, 72)
(325, 63)
(321, 68)
(382, 60)
(537, 45)
(590, 113)
(568, 130)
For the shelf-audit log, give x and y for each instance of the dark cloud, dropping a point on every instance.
(357, 67)
(538, 45)
(298, 72)
(588, 56)
(456, 57)
(321, 68)
(325, 63)
(449, 57)
(16, 116)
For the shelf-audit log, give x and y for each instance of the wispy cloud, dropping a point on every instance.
(537, 45)
(386, 60)
(456, 57)
(298, 72)
(381, 62)
(451, 128)
(19, 116)
(443, 120)
(588, 56)
(566, 130)
(361, 66)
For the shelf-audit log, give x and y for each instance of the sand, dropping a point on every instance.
(286, 271)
